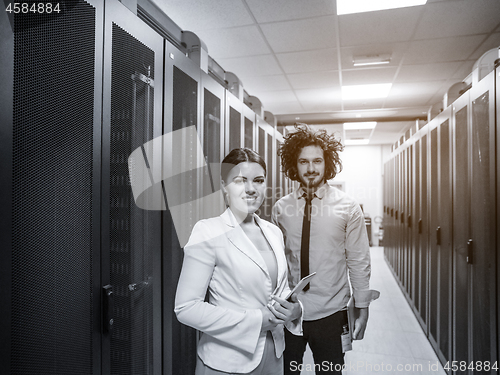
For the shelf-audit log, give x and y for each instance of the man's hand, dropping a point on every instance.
(360, 323)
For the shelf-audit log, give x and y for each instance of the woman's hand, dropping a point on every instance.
(284, 310)
(269, 320)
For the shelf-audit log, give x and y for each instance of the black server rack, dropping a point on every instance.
(50, 229)
(131, 237)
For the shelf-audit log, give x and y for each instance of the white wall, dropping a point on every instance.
(362, 177)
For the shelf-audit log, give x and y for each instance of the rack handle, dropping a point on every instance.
(108, 307)
(470, 251)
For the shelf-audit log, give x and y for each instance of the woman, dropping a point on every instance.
(240, 259)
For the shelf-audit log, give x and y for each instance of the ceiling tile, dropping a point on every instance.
(284, 107)
(365, 76)
(314, 80)
(308, 61)
(361, 105)
(320, 100)
(321, 107)
(300, 35)
(493, 41)
(456, 18)
(267, 83)
(274, 97)
(409, 101)
(282, 10)
(235, 42)
(195, 15)
(323, 95)
(464, 70)
(414, 89)
(418, 73)
(252, 66)
(394, 25)
(441, 50)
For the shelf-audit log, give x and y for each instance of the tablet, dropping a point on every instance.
(300, 285)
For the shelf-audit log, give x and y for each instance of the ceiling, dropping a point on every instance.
(294, 55)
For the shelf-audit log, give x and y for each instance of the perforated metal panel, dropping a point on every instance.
(134, 235)
(52, 192)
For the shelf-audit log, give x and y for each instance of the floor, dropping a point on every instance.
(394, 341)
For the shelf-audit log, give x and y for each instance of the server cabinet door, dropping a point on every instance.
(234, 122)
(433, 257)
(461, 228)
(184, 157)
(417, 226)
(265, 150)
(483, 226)
(424, 232)
(443, 238)
(131, 237)
(411, 220)
(50, 140)
(212, 98)
(439, 234)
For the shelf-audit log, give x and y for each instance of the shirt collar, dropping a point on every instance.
(320, 193)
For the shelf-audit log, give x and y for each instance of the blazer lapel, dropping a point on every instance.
(275, 244)
(239, 239)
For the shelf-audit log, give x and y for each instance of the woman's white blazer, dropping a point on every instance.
(221, 258)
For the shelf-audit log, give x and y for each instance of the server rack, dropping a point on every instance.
(452, 179)
(50, 229)
(131, 236)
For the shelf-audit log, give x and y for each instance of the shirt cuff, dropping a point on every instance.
(295, 326)
(362, 298)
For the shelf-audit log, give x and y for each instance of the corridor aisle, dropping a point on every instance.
(394, 341)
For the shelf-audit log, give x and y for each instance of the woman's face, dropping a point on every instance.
(245, 187)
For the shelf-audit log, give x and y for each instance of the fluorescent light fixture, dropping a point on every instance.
(371, 60)
(356, 142)
(360, 6)
(360, 125)
(358, 92)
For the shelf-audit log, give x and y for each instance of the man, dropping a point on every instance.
(324, 232)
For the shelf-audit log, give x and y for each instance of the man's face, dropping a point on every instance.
(311, 167)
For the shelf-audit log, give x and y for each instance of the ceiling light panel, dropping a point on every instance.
(356, 142)
(360, 92)
(360, 125)
(371, 60)
(360, 6)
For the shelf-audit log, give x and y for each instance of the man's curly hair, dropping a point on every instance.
(304, 136)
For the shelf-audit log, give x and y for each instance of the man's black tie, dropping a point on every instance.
(304, 244)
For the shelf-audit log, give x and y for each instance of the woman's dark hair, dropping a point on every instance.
(302, 137)
(237, 156)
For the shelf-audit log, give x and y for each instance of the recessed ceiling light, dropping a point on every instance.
(356, 92)
(360, 125)
(297, 118)
(355, 142)
(360, 6)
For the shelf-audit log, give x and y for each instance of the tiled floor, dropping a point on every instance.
(394, 342)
